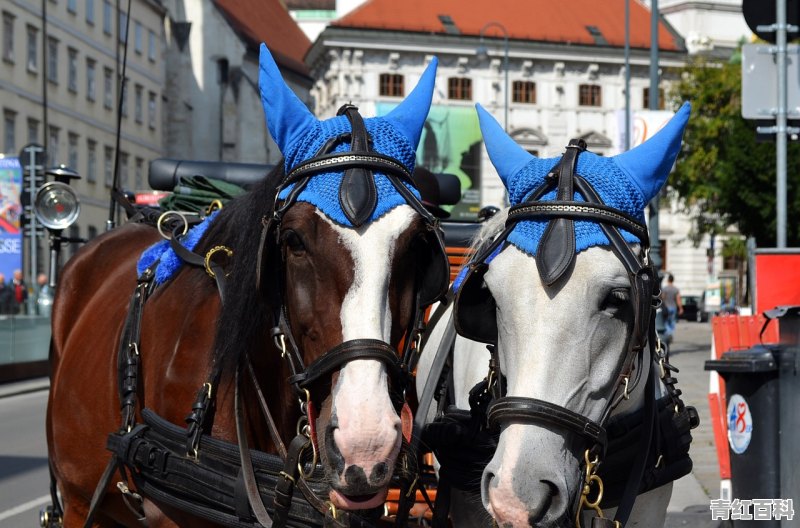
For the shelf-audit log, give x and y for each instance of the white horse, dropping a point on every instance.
(563, 337)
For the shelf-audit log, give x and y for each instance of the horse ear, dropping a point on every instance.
(649, 164)
(506, 155)
(409, 116)
(287, 117)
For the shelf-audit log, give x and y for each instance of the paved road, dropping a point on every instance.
(24, 479)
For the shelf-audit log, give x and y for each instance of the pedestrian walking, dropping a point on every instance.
(671, 299)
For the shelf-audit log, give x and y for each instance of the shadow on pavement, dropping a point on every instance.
(16, 465)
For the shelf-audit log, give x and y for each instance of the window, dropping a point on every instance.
(91, 160)
(108, 17)
(90, 81)
(524, 92)
(123, 170)
(9, 132)
(123, 26)
(52, 145)
(646, 98)
(8, 37)
(138, 46)
(138, 110)
(589, 95)
(151, 45)
(108, 88)
(72, 6)
(92, 232)
(151, 109)
(33, 49)
(72, 69)
(459, 88)
(90, 12)
(72, 151)
(391, 84)
(52, 60)
(33, 130)
(108, 165)
(138, 175)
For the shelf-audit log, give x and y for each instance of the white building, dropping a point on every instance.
(712, 26)
(59, 88)
(565, 79)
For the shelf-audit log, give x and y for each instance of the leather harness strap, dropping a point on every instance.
(358, 202)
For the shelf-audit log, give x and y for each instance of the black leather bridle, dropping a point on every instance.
(475, 308)
(358, 198)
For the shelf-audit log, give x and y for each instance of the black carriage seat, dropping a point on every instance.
(164, 173)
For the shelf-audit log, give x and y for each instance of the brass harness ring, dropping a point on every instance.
(228, 252)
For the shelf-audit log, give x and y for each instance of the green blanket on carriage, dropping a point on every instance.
(197, 193)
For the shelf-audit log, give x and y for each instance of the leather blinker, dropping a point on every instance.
(358, 195)
(556, 252)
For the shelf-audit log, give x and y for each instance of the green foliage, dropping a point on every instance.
(722, 169)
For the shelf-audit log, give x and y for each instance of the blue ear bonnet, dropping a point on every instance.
(608, 180)
(322, 190)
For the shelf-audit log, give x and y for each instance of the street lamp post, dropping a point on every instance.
(483, 51)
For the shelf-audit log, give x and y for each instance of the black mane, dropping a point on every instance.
(245, 318)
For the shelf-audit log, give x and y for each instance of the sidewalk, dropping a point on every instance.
(689, 506)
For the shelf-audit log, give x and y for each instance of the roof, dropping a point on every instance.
(574, 22)
(268, 21)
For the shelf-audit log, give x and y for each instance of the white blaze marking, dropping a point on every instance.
(367, 421)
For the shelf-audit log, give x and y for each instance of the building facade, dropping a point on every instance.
(212, 91)
(59, 87)
(565, 78)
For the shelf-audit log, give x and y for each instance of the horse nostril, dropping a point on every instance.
(548, 500)
(487, 481)
(356, 479)
(379, 472)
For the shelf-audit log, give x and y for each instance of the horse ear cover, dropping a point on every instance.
(646, 165)
(626, 182)
(300, 136)
(288, 119)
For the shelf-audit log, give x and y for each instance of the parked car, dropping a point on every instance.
(693, 308)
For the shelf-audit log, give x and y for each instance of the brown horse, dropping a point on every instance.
(337, 286)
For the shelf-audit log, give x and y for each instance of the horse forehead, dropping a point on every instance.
(375, 241)
(513, 275)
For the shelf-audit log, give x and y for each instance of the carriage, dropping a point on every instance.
(284, 329)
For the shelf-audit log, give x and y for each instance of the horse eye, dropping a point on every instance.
(293, 242)
(616, 300)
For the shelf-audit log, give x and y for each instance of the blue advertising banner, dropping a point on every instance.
(10, 213)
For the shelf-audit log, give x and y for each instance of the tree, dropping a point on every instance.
(724, 176)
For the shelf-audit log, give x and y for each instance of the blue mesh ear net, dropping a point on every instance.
(322, 190)
(609, 181)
